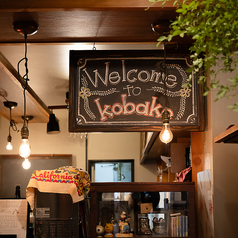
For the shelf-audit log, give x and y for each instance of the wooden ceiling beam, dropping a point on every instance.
(11, 84)
(92, 5)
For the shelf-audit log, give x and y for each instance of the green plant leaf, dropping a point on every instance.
(213, 27)
(161, 38)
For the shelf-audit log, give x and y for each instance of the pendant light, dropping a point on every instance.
(166, 134)
(53, 125)
(26, 164)
(25, 149)
(10, 105)
(25, 28)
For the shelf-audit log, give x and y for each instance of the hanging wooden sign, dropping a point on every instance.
(128, 91)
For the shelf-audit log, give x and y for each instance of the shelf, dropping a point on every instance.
(228, 136)
(154, 148)
(142, 202)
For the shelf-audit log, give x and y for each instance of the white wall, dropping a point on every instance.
(43, 143)
(225, 165)
(116, 146)
(100, 145)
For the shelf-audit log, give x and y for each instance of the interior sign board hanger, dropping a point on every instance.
(128, 91)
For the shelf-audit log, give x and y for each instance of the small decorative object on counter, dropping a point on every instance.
(124, 223)
(159, 226)
(144, 228)
(124, 226)
(109, 230)
(17, 191)
(99, 231)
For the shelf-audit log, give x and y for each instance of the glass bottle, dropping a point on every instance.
(18, 191)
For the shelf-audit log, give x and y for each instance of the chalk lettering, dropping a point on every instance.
(117, 109)
(154, 109)
(130, 76)
(103, 112)
(156, 75)
(128, 108)
(145, 109)
(146, 79)
(97, 75)
(114, 78)
(135, 91)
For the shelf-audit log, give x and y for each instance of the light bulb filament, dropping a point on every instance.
(166, 135)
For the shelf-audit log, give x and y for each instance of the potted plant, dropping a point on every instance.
(213, 27)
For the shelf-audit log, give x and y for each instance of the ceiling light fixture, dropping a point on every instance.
(10, 105)
(166, 134)
(25, 28)
(25, 149)
(161, 26)
(53, 125)
(26, 164)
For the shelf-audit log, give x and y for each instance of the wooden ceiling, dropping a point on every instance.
(83, 21)
(71, 21)
(11, 87)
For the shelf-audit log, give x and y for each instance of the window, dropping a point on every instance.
(111, 170)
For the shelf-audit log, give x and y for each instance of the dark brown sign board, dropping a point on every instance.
(125, 91)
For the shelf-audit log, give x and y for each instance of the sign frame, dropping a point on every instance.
(97, 74)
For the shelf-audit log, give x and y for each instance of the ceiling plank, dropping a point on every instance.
(11, 89)
(92, 5)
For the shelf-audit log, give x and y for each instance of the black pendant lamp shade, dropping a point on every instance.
(53, 125)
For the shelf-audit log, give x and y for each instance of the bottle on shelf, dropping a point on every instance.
(18, 191)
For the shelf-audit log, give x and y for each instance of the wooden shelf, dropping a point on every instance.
(154, 148)
(228, 136)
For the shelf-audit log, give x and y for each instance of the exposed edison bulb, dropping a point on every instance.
(9, 146)
(24, 150)
(26, 164)
(166, 134)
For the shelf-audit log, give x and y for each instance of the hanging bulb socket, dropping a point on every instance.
(24, 150)
(165, 116)
(24, 132)
(9, 138)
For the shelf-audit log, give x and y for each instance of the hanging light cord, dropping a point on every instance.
(12, 122)
(166, 75)
(25, 77)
